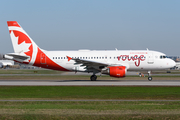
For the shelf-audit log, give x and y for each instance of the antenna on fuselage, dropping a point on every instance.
(147, 49)
(116, 49)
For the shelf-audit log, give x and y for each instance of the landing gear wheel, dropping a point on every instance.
(93, 78)
(149, 78)
(149, 75)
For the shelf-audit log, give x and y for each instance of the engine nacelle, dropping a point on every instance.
(115, 71)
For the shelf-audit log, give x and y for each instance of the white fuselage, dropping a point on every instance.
(132, 59)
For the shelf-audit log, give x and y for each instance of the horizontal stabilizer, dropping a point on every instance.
(16, 56)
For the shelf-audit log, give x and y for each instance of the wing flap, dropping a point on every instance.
(89, 63)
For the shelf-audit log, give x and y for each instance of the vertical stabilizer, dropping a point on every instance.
(23, 45)
(20, 39)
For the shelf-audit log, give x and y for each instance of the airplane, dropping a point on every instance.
(115, 63)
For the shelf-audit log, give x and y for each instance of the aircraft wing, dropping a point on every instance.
(87, 62)
(91, 64)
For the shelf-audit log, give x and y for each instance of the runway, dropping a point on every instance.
(89, 83)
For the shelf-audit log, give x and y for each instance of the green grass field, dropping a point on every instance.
(89, 92)
(89, 109)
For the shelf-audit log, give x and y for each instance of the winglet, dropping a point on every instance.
(69, 58)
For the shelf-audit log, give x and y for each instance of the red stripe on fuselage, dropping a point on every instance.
(49, 64)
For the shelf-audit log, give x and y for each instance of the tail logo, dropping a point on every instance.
(22, 43)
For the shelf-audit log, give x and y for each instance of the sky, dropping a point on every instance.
(95, 24)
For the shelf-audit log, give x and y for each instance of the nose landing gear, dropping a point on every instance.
(149, 76)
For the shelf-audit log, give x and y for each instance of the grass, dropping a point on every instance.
(94, 105)
(90, 117)
(89, 92)
(89, 110)
(80, 110)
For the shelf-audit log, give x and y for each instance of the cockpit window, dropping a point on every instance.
(163, 57)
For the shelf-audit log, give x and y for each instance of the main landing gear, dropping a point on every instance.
(93, 78)
(149, 76)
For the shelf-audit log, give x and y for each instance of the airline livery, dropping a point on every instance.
(112, 62)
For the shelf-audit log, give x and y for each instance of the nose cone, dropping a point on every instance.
(171, 63)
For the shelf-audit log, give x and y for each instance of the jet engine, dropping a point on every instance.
(115, 71)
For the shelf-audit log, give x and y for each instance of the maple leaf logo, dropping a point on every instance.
(21, 48)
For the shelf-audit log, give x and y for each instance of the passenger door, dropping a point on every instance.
(150, 58)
